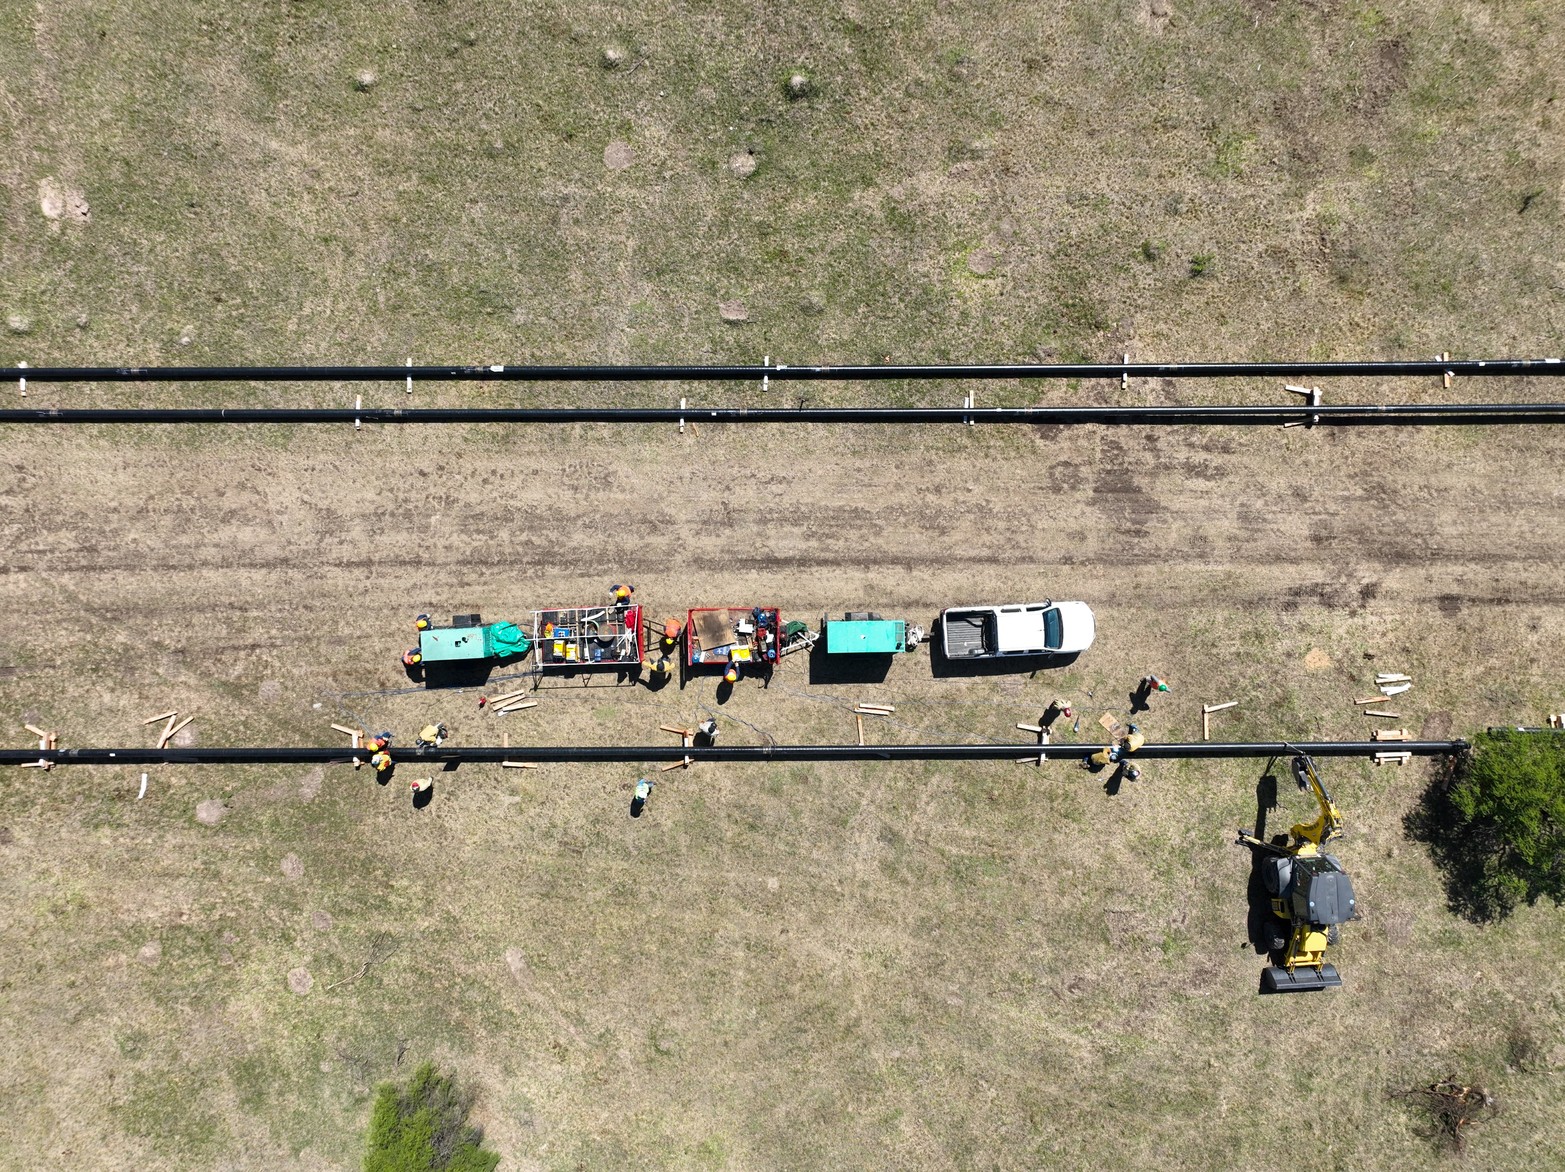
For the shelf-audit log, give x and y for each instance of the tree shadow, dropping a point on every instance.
(1463, 851)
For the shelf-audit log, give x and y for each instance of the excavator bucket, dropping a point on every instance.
(1304, 979)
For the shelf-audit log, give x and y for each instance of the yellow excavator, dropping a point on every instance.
(1310, 894)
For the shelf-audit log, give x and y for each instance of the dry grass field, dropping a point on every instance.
(973, 966)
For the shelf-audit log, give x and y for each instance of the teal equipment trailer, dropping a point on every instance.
(468, 641)
(865, 633)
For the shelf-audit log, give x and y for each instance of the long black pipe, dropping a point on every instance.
(627, 754)
(777, 373)
(1253, 416)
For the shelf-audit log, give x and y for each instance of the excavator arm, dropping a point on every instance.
(1326, 827)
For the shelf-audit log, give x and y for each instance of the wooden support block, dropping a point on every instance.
(37, 764)
(877, 707)
(685, 764)
(1385, 715)
(1392, 677)
(495, 701)
(1373, 700)
(1109, 721)
(35, 730)
(1220, 707)
(160, 716)
(1032, 728)
(357, 761)
(859, 717)
(518, 765)
(1395, 689)
(684, 732)
(1389, 734)
(522, 706)
(1295, 423)
(167, 730)
(352, 732)
(53, 740)
(358, 738)
(1206, 724)
(169, 735)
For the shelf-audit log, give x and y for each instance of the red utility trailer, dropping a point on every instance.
(716, 636)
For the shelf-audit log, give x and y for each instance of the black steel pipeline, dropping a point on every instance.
(779, 373)
(1404, 415)
(630, 754)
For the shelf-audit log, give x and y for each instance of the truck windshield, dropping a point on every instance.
(1052, 635)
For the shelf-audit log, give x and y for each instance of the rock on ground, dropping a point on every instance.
(300, 981)
(292, 867)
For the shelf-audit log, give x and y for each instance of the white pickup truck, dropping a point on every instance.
(1026, 628)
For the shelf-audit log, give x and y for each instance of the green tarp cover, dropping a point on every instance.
(505, 639)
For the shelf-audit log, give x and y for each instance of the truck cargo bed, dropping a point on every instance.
(966, 634)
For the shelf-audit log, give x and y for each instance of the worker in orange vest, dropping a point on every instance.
(621, 595)
(731, 676)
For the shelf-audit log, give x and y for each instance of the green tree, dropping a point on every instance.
(425, 1128)
(1494, 819)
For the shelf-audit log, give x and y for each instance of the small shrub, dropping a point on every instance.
(1152, 250)
(425, 1128)
(1201, 264)
(1494, 820)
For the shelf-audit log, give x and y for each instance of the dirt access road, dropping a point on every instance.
(246, 559)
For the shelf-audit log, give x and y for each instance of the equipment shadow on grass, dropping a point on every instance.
(1011, 665)
(1259, 922)
(466, 675)
(847, 669)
